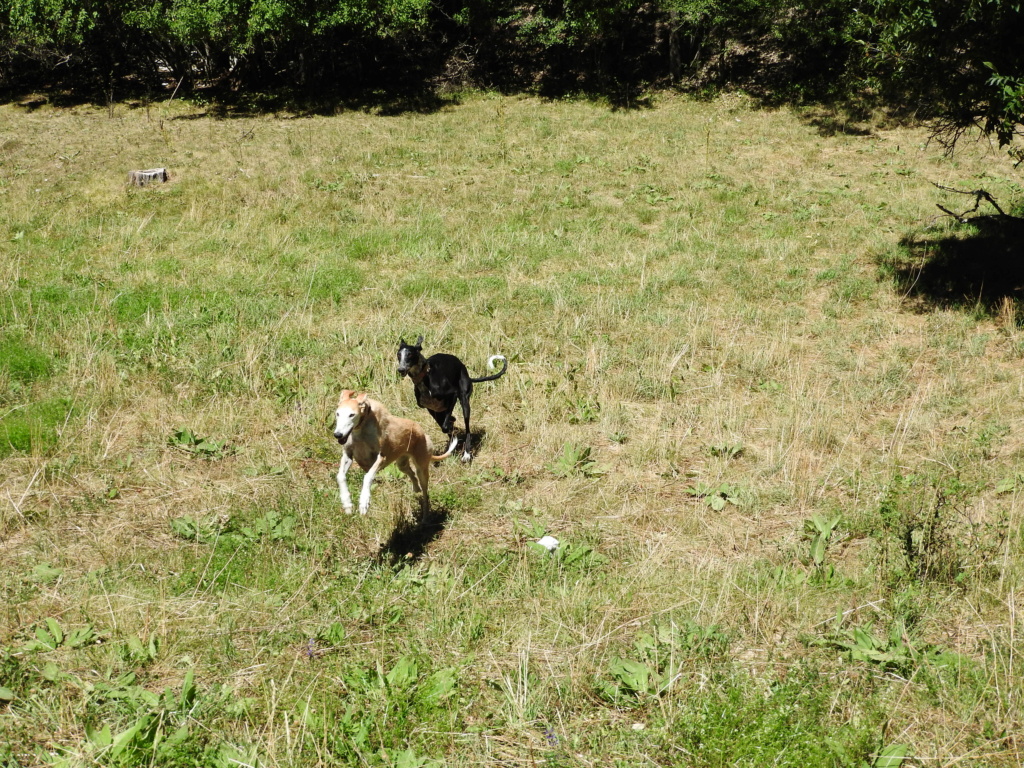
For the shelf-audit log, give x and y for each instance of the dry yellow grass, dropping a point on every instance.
(668, 284)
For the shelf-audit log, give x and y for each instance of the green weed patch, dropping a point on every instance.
(34, 427)
(791, 722)
(24, 362)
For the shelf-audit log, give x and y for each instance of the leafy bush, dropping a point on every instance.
(928, 532)
(818, 530)
(203, 447)
(716, 497)
(575, 461)
(271, 526)
(892, 652)
(660, 657)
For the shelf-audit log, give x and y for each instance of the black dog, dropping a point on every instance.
(441, 380)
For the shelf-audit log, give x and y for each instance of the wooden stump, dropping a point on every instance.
(142, 178)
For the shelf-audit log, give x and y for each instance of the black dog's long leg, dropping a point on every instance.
(464, 400)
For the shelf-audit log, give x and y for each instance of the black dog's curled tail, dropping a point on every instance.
(490, 364)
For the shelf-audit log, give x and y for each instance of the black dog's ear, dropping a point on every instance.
(419, 341)
(401, 342)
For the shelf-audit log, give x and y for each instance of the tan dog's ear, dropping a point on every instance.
(361, 398)
(346, 394)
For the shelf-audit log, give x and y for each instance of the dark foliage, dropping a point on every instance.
(960, 63)
(313, 51)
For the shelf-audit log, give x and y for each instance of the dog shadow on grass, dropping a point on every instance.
(412, 535)
(479, 441)
(978, 266)
(415, 532)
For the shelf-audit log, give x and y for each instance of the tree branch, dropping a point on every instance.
(979, 195)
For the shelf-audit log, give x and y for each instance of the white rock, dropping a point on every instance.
(550, 543)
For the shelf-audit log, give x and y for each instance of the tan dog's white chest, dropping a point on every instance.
(364, 451)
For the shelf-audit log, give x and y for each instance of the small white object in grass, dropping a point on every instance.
(638, 726)
(550, 543)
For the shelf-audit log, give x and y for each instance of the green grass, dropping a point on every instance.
(33, 427)
(786, 478)
(23, 362)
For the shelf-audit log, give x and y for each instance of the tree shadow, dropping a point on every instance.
(411, 536)
(222, 102)
(837, 120)
(851, 115)
(227, 105)
(980, 264)
(30, 98)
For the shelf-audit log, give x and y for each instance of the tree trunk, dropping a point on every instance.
(142, 178)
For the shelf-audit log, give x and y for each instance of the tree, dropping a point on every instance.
(959, 62)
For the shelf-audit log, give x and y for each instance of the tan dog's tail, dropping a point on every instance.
(447, 453)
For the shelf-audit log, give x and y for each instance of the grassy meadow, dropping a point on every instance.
(783, 451)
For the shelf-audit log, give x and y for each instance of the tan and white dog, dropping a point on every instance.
(373, 438)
